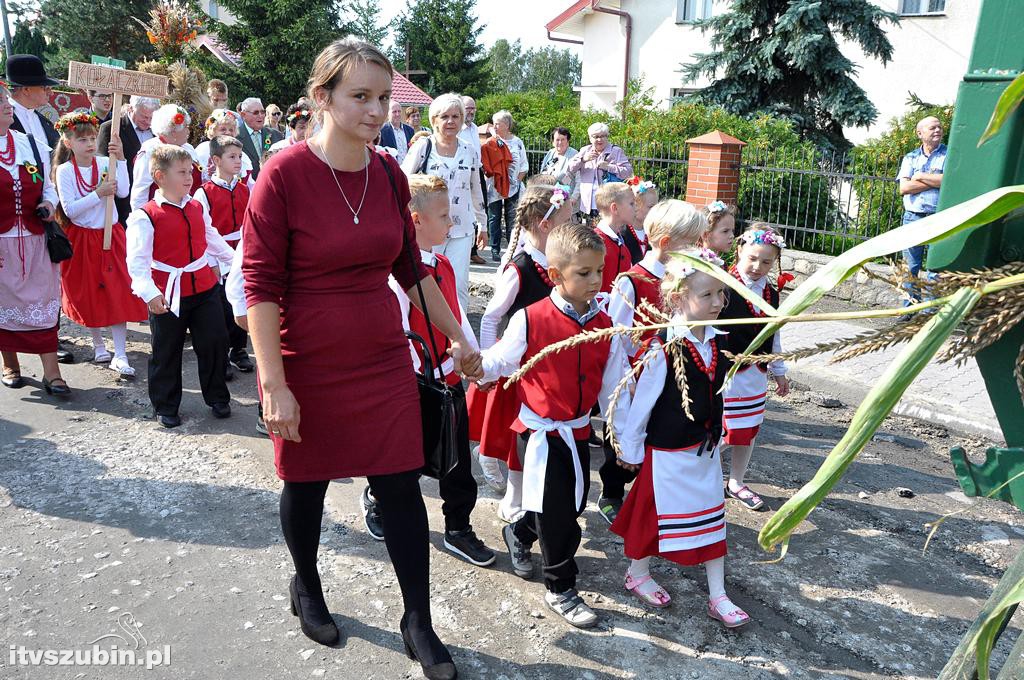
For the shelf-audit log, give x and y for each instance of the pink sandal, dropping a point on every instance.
(723, 609)
(658, 599)
(746, 496)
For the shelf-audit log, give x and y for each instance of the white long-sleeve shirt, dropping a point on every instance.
(88, 211)
(757, 288)
(637, 413)
(140, 248)
(504, 357)
(234, 285)
(505, 293)
(22, 155)
(448, 366)
(202, 156)
(141, 177)
(622, 304)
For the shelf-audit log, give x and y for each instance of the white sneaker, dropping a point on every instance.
(121, 365)
(491, 467)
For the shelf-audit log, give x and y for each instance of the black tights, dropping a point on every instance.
(405, 534)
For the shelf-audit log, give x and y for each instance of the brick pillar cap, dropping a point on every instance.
(716, 138)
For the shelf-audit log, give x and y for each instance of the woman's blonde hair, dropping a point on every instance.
(446, 101)
(268, 118)
(336, 61)
(422, 187)
(678, 220)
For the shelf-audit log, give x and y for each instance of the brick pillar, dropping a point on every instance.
(713, 170)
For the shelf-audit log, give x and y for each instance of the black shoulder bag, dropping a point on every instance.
(423, 166)
(437, 402)
(57, 243)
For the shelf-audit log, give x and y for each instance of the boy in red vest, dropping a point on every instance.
(558, 394)
(225, 197)
(430, 215)
(617, 205)
(171, 244)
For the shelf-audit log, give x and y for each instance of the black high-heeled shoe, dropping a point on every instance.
(443, 670)
(326, 634)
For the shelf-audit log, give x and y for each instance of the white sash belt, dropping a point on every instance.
(234, 236)
(173, 290)
(535, 461)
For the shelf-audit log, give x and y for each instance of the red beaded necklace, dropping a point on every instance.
(544, 275)
(764, 292)
(7, 157)
(85, 187)
(709, 371)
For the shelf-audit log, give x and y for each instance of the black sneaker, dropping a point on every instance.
(609, 508)
(371, 516)
(240, 360)
(518, 552)
(466, 545)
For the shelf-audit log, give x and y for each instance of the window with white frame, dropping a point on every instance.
(918, 7)
(692, 10)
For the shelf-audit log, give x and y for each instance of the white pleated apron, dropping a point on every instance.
(688, 497)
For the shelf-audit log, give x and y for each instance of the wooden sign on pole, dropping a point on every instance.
(120, 82)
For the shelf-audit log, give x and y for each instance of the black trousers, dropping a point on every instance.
(557, 526)
(202, 316)
(458, 488)
(614, 477)
(238, 339)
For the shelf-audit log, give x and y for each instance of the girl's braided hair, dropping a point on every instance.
(532, 207)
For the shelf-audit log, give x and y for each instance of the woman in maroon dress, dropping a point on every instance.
(322, 232)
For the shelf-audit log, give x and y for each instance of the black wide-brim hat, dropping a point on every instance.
(26, 70)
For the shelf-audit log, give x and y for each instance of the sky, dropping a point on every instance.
(522, 19)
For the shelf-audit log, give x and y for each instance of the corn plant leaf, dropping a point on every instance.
(976, 212)
(728, 279)
(1008, 102)
(985, 639)
(869, 416)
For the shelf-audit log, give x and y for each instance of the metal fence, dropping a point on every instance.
(823, 202)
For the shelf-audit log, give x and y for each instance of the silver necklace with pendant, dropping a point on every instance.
(366, 183)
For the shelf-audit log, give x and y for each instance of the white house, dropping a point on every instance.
(625, 39)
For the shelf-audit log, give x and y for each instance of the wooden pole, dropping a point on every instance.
(115, 133)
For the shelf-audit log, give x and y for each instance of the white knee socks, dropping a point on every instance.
(120, 335)
(739, 460)
(98, 345)
(715, 570)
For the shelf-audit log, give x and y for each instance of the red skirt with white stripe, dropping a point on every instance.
(491, 415)
(676, 508)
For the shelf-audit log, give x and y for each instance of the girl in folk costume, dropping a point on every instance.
(221, 123)
(523, 281)
(671, 433)
(635, 237)
(721, 231)
(758, 250)
(29, 280)
(298, 121)
(97, 291)
(671, 226)
(170, 125)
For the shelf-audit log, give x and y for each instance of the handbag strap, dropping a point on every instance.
(412, 261)
(423, 164)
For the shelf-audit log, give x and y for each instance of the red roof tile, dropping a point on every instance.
(404, 92)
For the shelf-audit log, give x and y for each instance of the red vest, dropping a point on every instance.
(445, 277)
(31, 194)
(563, 386)
(227, 206)
(616, 261)
(646, 286)
(197, 181)
(179, 238)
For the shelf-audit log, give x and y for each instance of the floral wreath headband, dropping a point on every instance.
(639, 184)
(558, 198)
(299, 115)
(70, 120)
(218, 118)
(179, 117)
(763, 237)
(706, 254)
(717, 207)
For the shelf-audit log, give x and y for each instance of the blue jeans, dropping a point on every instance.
(914, 257)
(503, 207)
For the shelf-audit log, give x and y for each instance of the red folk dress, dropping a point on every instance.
(345, 355)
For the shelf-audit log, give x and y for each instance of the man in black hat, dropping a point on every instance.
(30, 89)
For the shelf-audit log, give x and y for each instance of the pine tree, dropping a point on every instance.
(277, 43)
(782, 57)
(443, 40)
(365, 22)
(78, 29)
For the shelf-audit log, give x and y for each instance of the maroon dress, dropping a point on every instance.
(345, 356)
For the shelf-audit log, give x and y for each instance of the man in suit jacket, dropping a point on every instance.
(395, 133)
(254, 137)
(135, 130)
(30, 89)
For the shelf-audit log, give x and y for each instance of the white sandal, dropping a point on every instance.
(103, 357)
(122, 366)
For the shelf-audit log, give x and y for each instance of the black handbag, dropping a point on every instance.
(57, 242)
(437, 401)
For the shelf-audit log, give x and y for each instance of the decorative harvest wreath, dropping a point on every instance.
(70, 121)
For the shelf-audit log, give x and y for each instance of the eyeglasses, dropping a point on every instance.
(256, 112)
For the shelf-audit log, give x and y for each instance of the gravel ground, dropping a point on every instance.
(106, 515)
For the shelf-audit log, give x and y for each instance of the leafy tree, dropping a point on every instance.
(782, 57)
(505, 64)
(28, 38)
(444, 41)
(277, 43)
(513, 70)
(365, 22)
(78, 29)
